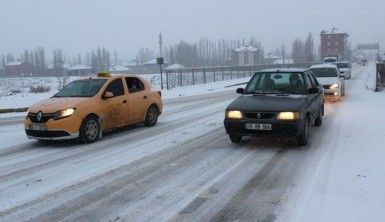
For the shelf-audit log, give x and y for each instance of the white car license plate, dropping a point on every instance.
(257, 126)
(38, 127)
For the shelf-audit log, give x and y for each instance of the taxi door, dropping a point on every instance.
(313, 98)
(114, 106)
(137, 100)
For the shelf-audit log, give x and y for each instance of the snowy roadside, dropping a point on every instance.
(26, 99)
(348, 182)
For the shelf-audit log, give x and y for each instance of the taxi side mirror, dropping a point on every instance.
(107, 95)
(313, 90)
(240, 90)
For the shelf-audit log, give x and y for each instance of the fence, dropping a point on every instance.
(199, 75)
(380, 76)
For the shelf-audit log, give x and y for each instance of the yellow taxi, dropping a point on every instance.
(86, 108)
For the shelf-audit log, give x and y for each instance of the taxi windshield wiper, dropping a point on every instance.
(284, 91)
(257, 92)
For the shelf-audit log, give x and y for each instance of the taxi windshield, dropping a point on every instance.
(276, 83)
(81, 88)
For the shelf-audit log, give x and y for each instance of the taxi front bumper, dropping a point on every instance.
(61, 129)
(280, 129)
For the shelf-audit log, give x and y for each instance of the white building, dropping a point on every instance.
(246, 56)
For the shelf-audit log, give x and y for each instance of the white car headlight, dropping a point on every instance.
(334, 86)
(234, 114)
(63, 113)
(288, 116)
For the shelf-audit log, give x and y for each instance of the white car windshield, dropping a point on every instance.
(325, 72)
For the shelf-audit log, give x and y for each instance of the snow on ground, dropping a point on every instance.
(25, 98)
(348, 184)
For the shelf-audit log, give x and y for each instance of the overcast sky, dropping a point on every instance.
(77, 26)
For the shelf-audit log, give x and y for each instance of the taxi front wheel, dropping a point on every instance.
(89, 130)
(151, 116)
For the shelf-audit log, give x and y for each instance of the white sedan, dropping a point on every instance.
(330, 78)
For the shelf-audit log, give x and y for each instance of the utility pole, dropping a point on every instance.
(160, 60)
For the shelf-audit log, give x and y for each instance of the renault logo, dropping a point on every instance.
(259, 115)
(38, 116)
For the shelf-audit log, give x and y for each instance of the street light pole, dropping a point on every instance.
(161, 76)
(160, 61)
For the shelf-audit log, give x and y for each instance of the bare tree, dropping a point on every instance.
(298, 51)
(3, 61)
(309, 49)
(283, 53)
(58, 62)
(144, 55)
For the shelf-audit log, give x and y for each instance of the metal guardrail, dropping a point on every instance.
(380, 77)
(199, 75)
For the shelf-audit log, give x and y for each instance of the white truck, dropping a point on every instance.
(330, 59)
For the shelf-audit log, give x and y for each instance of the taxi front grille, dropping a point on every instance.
(260, 115)
(44, 117)
(46, 134)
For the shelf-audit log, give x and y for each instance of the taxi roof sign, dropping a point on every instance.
(104, 74)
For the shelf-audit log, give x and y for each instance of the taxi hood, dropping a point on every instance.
(54, 104)
(265, 103)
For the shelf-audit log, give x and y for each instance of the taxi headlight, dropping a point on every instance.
(288, 116)
(334, 86)
(63, 113)
(234, 114)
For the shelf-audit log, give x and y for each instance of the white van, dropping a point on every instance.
(330, 59)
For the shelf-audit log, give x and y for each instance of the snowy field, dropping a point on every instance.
(186, 168)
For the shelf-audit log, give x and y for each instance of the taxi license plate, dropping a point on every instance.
(257, 126)
(38, 127)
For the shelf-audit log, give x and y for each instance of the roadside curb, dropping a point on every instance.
(13, 110)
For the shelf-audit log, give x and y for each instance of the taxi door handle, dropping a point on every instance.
(144, 97)
(124, 101)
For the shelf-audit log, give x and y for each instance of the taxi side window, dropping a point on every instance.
(116, 87)
(308, 81)
(134, 84)
(313, 80)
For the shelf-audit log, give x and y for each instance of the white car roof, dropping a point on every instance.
(324, 66)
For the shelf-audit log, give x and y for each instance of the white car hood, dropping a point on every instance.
(327, 80)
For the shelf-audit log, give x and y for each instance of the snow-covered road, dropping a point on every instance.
(185, 168)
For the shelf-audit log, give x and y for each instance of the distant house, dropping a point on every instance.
(51, 71)
(118, 69)
(151, 66)
(79, 70)
(334, 43)
(270, 59)
(281, 61)
(18, 68)
(175, 66)
(246, 56)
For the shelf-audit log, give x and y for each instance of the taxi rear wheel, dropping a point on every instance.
(90, 130)
(151, 116)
